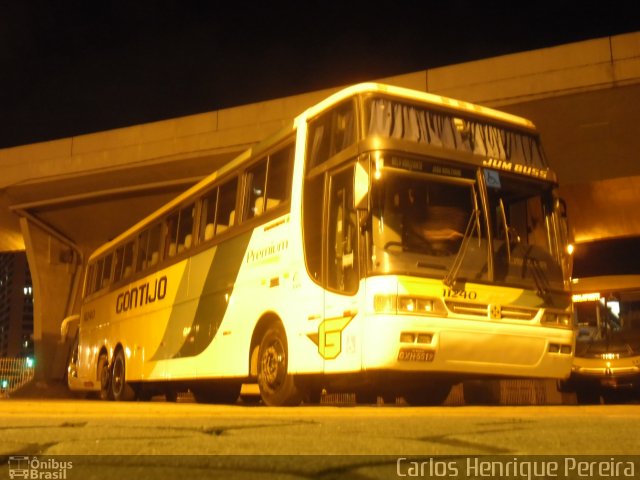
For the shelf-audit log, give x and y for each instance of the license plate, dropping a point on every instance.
(415, 355)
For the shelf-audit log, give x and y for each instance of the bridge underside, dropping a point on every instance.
(60, 200)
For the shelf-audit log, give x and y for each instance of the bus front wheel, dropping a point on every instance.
(277, 386)
(120, 389)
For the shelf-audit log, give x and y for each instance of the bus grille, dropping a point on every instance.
(508, 312)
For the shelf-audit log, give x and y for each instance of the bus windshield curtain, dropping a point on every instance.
(409, 122)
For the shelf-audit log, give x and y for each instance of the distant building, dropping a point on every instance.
(16, 306)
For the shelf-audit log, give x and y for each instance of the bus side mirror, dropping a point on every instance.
(361, 186)
(562, 207)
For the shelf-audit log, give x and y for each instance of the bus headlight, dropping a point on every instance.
(560, 319)
(406, 304)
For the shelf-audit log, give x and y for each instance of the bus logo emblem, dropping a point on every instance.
(495, 312)
(329, 336)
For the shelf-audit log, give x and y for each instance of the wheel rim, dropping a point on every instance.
(118, 376)
(104, 376)
(274, 365)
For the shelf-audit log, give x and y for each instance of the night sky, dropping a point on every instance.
(74, 67)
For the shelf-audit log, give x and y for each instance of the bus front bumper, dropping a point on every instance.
(618, 374)
(466, 347)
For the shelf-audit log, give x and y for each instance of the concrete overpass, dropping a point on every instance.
(61, 199)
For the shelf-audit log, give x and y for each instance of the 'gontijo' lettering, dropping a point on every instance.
(142, 295)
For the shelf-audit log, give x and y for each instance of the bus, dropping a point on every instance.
(386, 242)
(607, 309)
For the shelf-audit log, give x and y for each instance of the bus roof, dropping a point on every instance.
(437, 101)
(605, 283)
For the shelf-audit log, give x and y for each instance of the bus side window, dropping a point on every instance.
(178, 231)
(154, 245)
(106, 271)
(171, 234)
(313, 226)
(97, 278)
(208, 215)
(279, 176)
(268, 182)
(255, 180)
(148, 248)
(123, 258)
(90, 281)
(185, 228)
(143, 246)
(127, 261)
(331, 133)
(226, 208)
(342, 258)
(118, 263)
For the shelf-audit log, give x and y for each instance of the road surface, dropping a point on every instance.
(189, 440)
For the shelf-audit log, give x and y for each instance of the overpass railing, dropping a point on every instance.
(14, 374)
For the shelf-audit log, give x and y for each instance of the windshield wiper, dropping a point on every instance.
(450, 278)
(538, 275)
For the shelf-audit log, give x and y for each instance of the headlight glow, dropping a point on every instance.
(560, 319)
(406, 304)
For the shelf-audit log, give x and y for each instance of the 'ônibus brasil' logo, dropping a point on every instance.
(36, 468)
(142, 295)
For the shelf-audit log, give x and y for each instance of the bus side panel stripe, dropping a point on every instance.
(212, 303)
(182, 314)
(217, 290)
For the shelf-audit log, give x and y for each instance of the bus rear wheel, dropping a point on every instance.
(277, 386)
(104, 375)
(120, 390)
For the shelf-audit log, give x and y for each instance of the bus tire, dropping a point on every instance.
(428, 395)
(277, 386)
(104, 376)
(119, 388)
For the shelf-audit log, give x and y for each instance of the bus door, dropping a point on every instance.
(339, 341)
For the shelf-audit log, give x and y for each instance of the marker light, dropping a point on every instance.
(557, 319)
(406, 304)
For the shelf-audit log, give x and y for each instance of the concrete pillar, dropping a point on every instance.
(56, 271)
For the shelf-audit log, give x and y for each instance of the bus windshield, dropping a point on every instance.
(524, 233)
(608, 324)
(419, 224)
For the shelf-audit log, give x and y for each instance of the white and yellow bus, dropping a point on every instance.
(606, 298)
(386, 242)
